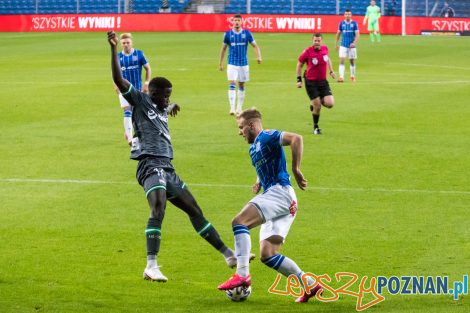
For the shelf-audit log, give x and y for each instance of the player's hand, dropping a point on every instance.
(337, 47)
(333, 75)
(173, 109)
(256, 187)
(221, 67)
(145, 88)
(259, 60)
(301, 181)
(299, 84)
(112, 39)
(352, 45)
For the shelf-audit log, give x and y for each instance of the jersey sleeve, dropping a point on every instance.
(303, 57)
(133, 96)
(143, 59)
(227, 38)
(273, 138)
(339, 27)
(249, 36)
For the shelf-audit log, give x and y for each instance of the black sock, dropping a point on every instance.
(316, 118)
(208, 232)
(153, 235)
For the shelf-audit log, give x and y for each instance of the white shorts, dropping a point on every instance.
(238, 73)
(278, 207)
(123, 102)
(349, 53)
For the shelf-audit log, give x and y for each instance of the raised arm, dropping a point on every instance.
(119, 81)
(296, 144)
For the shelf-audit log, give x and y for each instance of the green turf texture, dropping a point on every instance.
(388, 180)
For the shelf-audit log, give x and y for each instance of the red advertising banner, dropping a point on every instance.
(216, 23)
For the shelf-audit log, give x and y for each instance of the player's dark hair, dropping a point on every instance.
(347, 10)
(318, 35)
(250, 114)
(237, 16)
(160, 83)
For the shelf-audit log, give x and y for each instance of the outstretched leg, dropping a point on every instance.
(187, 203)
(271, 257)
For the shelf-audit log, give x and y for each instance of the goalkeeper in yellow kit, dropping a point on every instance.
(372, 17)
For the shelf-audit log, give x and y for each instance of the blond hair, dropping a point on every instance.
(126, 36)
(250, 114)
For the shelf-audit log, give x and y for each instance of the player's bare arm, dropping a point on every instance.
(221, 58)
(338, 35)
(119, 81)
(330, 68)
(256, 186)
(148, 75)
(295, 141)
(257, 52)
(298, 72)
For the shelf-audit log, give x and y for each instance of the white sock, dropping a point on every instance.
(151, 261)
(231, 99)
(341, 71)
(242, 249)
(288, 267)
(128, 125)
(352, 69)
(241, 98)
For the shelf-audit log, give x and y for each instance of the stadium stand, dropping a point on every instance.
(358, 7)
(87, 6)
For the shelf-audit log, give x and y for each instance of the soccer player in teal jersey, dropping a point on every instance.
(372, 18)
(131, 61)
(155, 173)
(275, 209)
(238, 70)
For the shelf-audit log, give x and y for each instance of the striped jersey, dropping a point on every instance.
(238, 46)
(131, 67)
(269, 160)
(348, 32)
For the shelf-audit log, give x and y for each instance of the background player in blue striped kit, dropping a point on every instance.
(237, 39)
(275, 209)
(132, 61)
(349, 30)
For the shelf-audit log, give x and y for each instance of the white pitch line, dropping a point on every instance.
(356, 189)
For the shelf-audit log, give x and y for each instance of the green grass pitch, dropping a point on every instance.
(388, 180)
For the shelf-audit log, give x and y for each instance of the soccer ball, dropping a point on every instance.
(239, 294)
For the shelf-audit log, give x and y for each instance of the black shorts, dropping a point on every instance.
(158, 173)
(317, 88)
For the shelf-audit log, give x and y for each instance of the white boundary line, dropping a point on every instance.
(104, 182)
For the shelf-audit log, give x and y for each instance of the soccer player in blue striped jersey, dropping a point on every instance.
(238, 70)
(275, 209)
(348, 31)
(132, 61)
